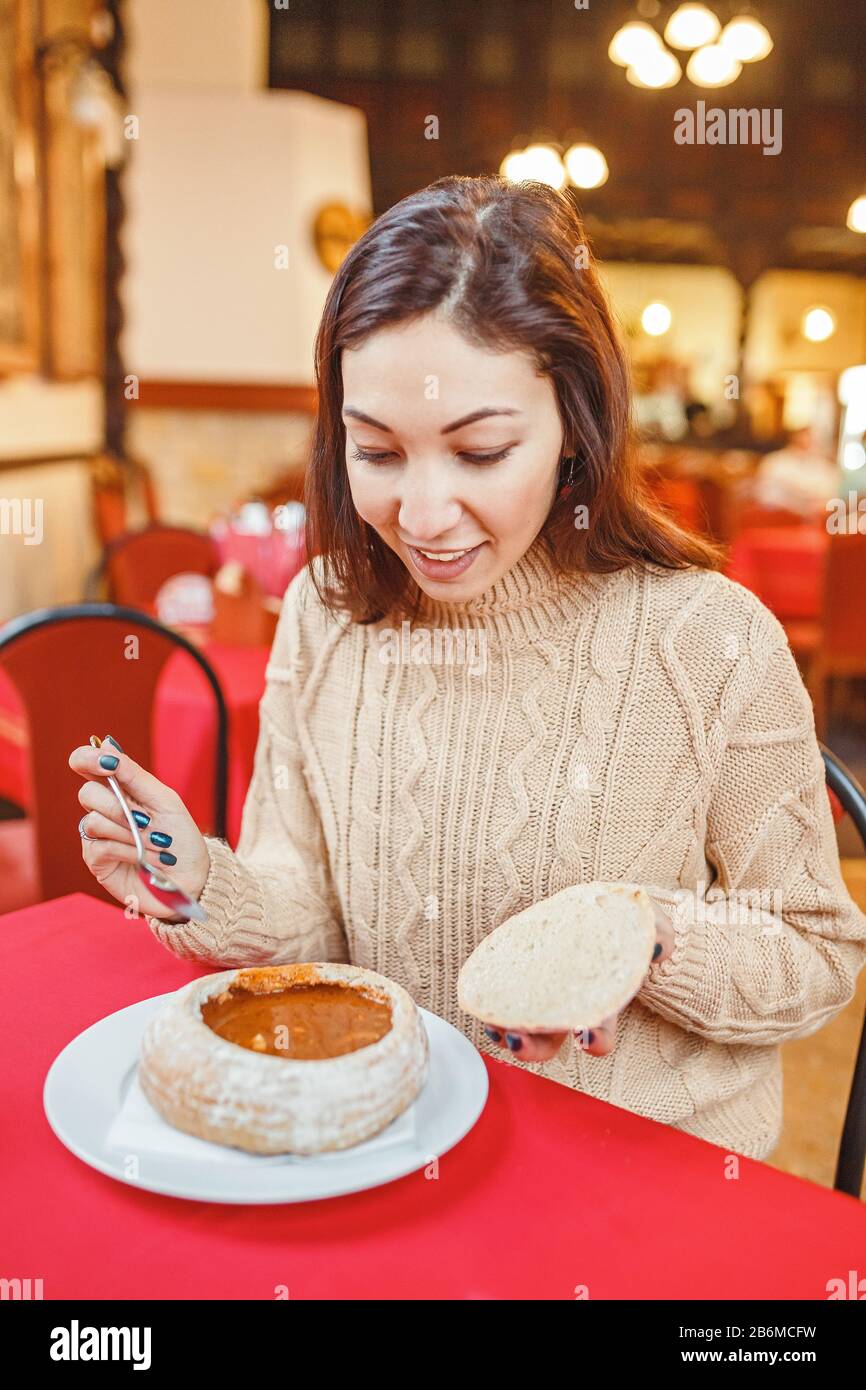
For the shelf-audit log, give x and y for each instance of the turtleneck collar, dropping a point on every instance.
(529, 601)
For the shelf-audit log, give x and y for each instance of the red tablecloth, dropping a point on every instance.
(184, 731)
(783, 565)
(550, 1190)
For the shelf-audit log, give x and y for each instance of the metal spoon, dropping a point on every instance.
(158, 883)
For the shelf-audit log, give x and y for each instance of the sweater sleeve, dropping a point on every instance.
(272, 900)
(771, 949)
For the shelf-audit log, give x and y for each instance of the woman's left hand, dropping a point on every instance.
(597, 1041)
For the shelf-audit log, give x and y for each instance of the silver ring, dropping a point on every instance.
(82, 832)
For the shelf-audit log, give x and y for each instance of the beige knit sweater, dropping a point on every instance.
(411, 793)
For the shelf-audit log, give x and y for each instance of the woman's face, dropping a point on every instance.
(459, 450)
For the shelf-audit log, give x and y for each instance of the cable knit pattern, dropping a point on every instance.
(645, 726)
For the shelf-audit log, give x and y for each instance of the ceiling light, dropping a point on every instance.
(857, 214)
(539, 162)
(690, 26)
(587, 166)
(656, 319)
(713, 66)
(656, 69)
(631, 41)
(746, 38)
(513, 165)
(818, 325)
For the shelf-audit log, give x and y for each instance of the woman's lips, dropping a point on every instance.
(443, 569)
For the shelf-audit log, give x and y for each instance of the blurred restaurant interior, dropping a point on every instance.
(180, 182)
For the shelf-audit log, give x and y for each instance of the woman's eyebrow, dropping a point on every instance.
(455, 425)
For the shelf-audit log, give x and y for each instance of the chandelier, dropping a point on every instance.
(716, 53)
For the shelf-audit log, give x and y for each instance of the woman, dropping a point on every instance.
(503, 673)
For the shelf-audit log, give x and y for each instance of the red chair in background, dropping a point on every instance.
(77, 673)
(115, 485)
(751, 515)
(136, 565)
(839, 639)
(785, 567)
(682, 498)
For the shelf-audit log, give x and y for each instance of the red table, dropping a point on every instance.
(550, 1190)
(184, 731)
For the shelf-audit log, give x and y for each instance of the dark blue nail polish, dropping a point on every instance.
(166, 858)
(140, 819)
(109, 739)
(109, 762)
(159, 837)
(657, 950)
(493, 1033)
(590, 1037)
(514, 1042)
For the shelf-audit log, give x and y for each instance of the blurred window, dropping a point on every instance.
(358, 50)
(494, 58)
(419, 54)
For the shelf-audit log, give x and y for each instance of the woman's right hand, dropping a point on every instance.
(110, 854)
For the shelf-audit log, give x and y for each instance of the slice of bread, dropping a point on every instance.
(562, 964)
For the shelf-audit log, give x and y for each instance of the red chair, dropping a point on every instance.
(88, 668)
(785, 567)
(682, 497)
(839, 645)
(136, 565)
(749, 515)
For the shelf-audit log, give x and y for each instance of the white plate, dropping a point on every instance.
(86, 1085)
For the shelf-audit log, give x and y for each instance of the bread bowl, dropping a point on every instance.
(564, 963)
(285, 1059)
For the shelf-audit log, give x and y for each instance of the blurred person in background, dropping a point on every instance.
(799, 478)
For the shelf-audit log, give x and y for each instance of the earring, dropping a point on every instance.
(568, 481)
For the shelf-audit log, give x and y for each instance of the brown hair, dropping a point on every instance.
(499, 260)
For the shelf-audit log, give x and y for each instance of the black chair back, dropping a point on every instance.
(852, 1149)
